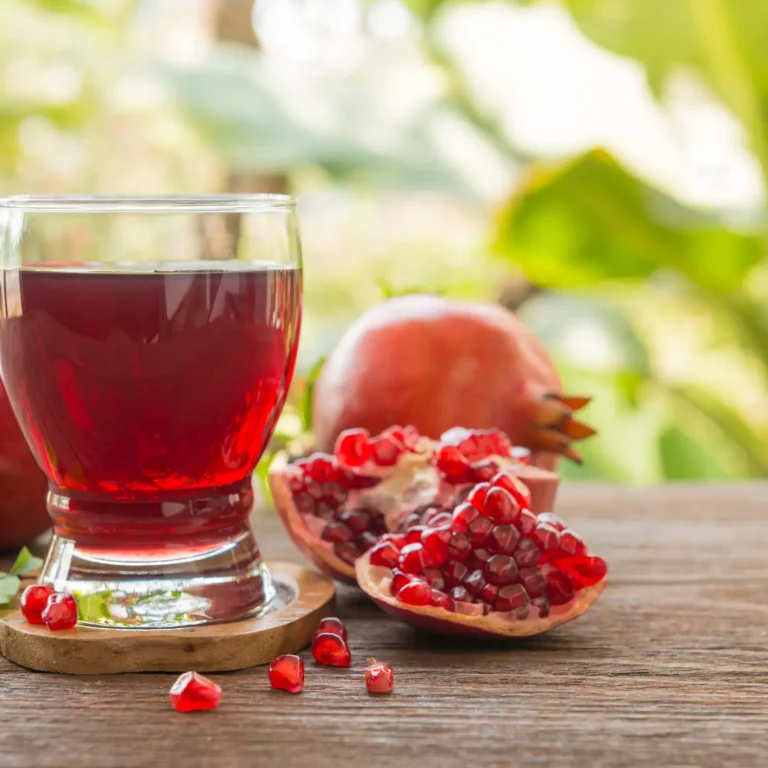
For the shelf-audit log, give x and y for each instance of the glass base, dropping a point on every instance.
(224, 582)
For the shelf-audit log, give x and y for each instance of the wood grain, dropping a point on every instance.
(669, 669)
(216, 648)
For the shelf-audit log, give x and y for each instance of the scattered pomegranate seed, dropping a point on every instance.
(379, 677)
(353, 447)
(286, 673)
(60, 611)
(33, 602)
(332, 625)
(331, 649)
(192, 692)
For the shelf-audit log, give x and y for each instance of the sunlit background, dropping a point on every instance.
(599, 166)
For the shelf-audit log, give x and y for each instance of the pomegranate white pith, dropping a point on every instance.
(336, 507)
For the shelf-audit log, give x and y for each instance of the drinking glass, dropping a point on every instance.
(147, 346)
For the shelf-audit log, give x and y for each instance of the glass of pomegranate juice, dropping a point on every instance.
(147, 346)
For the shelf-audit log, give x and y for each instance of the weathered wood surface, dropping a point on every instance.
(670, 669)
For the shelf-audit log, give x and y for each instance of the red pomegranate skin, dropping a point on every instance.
(23, 486)
(434, 363)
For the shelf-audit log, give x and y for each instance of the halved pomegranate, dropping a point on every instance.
(495, 569)
(336, 507)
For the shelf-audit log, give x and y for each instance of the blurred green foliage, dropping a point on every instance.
(656, 307)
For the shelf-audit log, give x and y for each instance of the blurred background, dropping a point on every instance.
(598, 166)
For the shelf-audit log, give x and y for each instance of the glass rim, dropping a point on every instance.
(220, 203)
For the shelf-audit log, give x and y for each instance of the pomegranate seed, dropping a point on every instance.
(455, 573)
(452, 463)
(193, 692)
(490, 594)
(333, 494)
(519, 491)
(33, 601)
(460, 595)
(459, 547)
(464, 515)
(347, 551)
(322, 468)
(439, 599)
(504, 539)
(542, 604)
(583, 571)
(521, 454)
(501, 506)
(385, 553)
(479, 530)
(415, 593)
(367, 539)
(414, 559)
(353, 447)
(559, 588)
(441, 519)
(338, 533)
(512, 598)
(484, 470)
(331, 650)
(548, 536)
(286, 673)
(60, 611)
(474, 583)
(355, 481)
(434, 578)
(296, 483)
(384, 451)
(379, 678)
(333, 626)
(571, 543)
(479, 558)
(527, 522)
(357, 520)
(399, 580)
(552, 519)
(437, 542)
(533, 580)
(527, 553)
(304, 503)
(501, 570)
(476, 496)
(413, 534)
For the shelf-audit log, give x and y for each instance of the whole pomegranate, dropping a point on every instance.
(434, 363)
(23, 486)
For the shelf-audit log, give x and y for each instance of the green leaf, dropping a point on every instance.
(9, 586)
(725, 40)
(262, 122)
(589, 220)
(26, 562)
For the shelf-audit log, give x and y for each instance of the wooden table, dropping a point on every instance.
(670, 668)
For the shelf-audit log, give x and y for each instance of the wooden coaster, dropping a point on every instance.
(215, 648)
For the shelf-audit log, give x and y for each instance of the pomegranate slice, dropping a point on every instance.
(495, 570)
(337, 507)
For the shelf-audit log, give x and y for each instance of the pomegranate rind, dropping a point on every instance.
(319, 552)
(374, 581)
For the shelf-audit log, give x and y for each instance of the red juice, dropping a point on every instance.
(147, 397)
